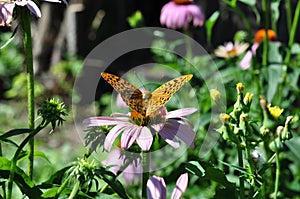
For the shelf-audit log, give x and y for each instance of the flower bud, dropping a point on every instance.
(215, 95)
(239, 87)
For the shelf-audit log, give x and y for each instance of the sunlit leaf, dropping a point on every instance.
(210, 22)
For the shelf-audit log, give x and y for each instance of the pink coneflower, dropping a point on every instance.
(156, 187)
(180, 13)
(136, 128)
(230, 50)
(258, 38)
(6, 10)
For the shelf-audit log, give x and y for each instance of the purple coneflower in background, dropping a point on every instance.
(156, 187)
(180, 13)
(140, 129)
(7, 8)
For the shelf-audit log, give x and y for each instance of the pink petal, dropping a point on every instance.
(181, 186)
(145, 139)
(114, 160)
(254, 47)
(33, 8)
(185, 133)
(103, 121)
(246, 61)
(156, 188)
(129, 136)
(181, 112)
(112, 135)
(167, 134)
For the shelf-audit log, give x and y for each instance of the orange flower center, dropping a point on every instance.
(182, 1)
(261, 34)
(232, 52)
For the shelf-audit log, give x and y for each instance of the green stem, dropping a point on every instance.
(241, 177)
(266, 40)
(288, 10)
(61, 188)
(292, 33)
(3, 186)
(74, 190)
(15, 159)
(146, 166)
(25, 23)
(276, 186)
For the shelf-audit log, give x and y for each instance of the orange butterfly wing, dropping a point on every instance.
(163, 93)
(130, 94)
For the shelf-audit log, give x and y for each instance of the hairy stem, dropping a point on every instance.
(25, 23)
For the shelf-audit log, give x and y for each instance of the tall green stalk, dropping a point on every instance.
(266, 40)
(146, 174)
(25, 23)
(288, 9)
(292, 33)
(241, 177)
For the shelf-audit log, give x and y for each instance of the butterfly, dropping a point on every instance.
(145, 102)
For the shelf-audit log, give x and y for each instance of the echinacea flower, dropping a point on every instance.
(230, 50)
(180, 13)
(135, 127)
(156, 187)
(6, 10)
(258, 38)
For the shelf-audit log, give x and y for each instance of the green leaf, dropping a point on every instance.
(250, 3)
(294, 146)
(228, 192)
(26, 186)
(14, 132)
(210, 22)
(275, 11)
(195, 168)
(275, 77)
(218, 176)
(111, 180)
(274, 53)
(295, 49)
(136, 20)
(55, 178)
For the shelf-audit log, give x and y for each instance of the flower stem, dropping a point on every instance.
(14, 160)
(146, 166)
(25, 23)
(74, 190)
(241, 177)
(277, 175)
(292, 33)
(288, 9)
(266, 40)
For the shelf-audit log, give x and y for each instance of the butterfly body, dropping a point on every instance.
(145, 102)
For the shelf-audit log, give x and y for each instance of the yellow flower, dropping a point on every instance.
(215, 94)
(275, 111)
(239, 87)
(248, 98)
(224, 118)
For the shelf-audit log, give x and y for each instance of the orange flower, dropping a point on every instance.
(261, 34)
